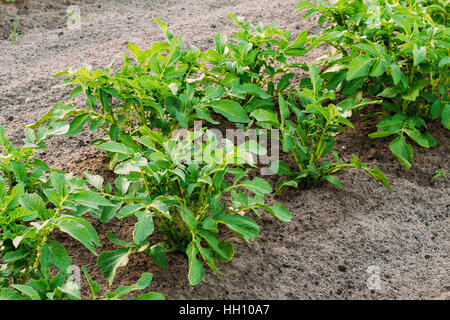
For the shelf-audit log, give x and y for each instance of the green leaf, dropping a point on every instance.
(378, 175)
(444, 61)
(257, 186)
(110, 261)
(396, 73)
(71, 289)
(266, 116)
(129, 210)
(2, 187)
(109, 212)
(379, 68)
(94, 180)
(419, 54)
(188, 218)
(142, 283)
(284, 109)
(243, 226)
(79, 229)
(196, 269)
(34, 203)
(220, 42)
(281, 213)
(77, 124)
(214, 243)
(20, 171)
(231, 110)
(55, 254)
(58, 181)
(12, 256)
(253, 89)
(150, 296)
(143, 228)
(95, 287)
(10, 294)
(301, 5)
(403, 151)
(446, 116)
(388, 93)
(333, 180)
(27, 290)
(285, 183)
(359, 67)
(164, 29)
(418, 137)
(285, 81)
(90, 199)
(115, 147)
(158, 254)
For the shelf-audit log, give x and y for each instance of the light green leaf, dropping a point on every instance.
(95, 287)
(27, 290)
(419, 54)
(76, 125)
(150, 296)
(243, 226)
(196, 269)
(90, 199)
(446, 116)
(333, 180)
(142, 283)
(94, 180)
(266, 116)
(115, 147)
(110, 261)
(232, 110)
(281, 213)
(403, 151)
(158, 254)
(220, 42)
(359, 67)
(379, 68)
(53, 253)
(34, 203)
(257, 186)
(71, 289)
(284, 108)
(301, 5)
(79, 229)
(144, 227)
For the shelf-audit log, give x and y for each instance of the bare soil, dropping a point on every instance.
(335, 235)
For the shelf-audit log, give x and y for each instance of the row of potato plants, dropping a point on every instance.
(388, 54)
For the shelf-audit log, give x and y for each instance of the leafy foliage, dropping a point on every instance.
(179, 187)
(35, 200)
(190, 185)
(396, 50)
(311, 137)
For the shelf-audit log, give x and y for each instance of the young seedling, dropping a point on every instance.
(14, 34)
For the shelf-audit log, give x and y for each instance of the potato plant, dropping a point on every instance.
(34, 201)
(168, 87)
(245, 65)
(189, 189)
(311, 136)
(179, 187)
(395, 50)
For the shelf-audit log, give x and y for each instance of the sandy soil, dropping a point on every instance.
(335, 237)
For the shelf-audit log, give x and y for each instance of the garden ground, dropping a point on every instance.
(335, 236)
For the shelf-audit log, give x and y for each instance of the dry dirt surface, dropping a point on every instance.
(361, 242)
